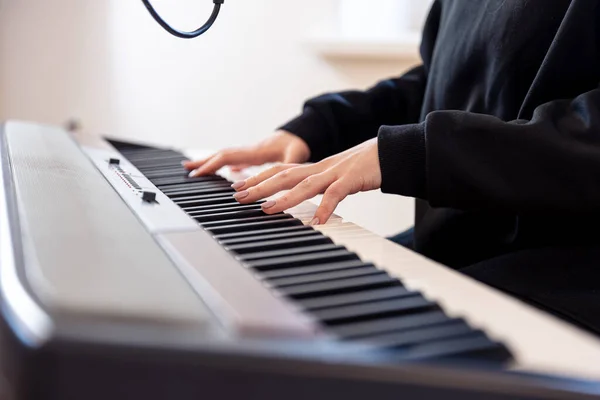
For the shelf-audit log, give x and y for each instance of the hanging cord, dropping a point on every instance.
(182, 34)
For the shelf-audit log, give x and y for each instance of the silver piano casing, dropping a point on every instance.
(89, 251)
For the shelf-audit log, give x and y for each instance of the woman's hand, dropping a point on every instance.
(280, 147)
(355, 170)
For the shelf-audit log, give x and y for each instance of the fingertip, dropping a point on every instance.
(238, 185)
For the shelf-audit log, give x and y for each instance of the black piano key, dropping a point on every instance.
(372, 310)
(243, 221)
(198, 192)
(133, 149)
(159, 161)
(262, 255)
(171, 168)
(362, 296)
(234, 215)
(191, 196)
(149, 153)
(338, 287)
(163, 163)
(193, 186)
(259, 232)
(273, 236)
(321, 277)
(174, 166)
(158, 158)
(197, 185)
(240, 227)
(313, 269)
(195, 189)
(220, 208)
(200, 200)
(183, 193)
(476, 346)
(383, 325)
(201, 204)
(302, 260)
(160, 170)
(204, 197)
(404, 338)
(166, 174)
(165, 182)
(210, 202)
(271, 245)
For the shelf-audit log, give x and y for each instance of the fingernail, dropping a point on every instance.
(241, 195)
(238, 185)
(193, 173)
(269, 204)
(184, 162)
(314, 221)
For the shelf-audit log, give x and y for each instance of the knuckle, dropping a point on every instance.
(334, 193)
(307, 182)
(284, 199)
(285, 174)
(274, 170)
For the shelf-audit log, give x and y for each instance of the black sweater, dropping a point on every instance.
(497, 133)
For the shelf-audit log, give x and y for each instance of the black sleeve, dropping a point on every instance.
(335, 122)
(463, 160)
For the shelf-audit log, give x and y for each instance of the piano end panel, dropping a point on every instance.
(85, 254)
(238, 299)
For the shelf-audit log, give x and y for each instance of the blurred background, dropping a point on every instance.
(107, 65)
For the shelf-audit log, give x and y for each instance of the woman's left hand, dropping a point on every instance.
(355, 170)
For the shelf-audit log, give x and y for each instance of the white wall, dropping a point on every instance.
(54, 60)
(106, 63)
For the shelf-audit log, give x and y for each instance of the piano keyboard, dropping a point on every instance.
(357, 287)
(116, 263)
(350, 299)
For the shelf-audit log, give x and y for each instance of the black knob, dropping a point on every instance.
(114, 161)
(148, 197)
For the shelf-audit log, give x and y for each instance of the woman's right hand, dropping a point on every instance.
(281, 147)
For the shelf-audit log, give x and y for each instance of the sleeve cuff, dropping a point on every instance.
(402, 158)
(313, 129)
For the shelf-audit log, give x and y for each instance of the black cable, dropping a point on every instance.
(182, 34)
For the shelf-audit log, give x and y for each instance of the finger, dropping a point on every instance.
(227, 157)
(334, 194)
(240, 167)
(305, 190)
(262, 176)
(192, 165)
(286, 179)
